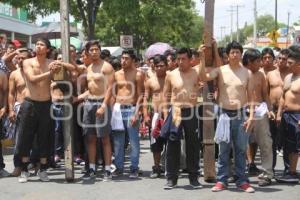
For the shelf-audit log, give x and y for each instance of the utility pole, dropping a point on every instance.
(255, 25)
(276, 24)
(67, 108)
(288, 29)
(237, 23)
(208, 95)
(222, 28)
(231, 22)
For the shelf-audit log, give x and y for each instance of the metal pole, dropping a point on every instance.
(288, 30)
(67, 108)
(237, 24)
(255, 25)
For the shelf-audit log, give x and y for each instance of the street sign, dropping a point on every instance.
(273, 35)
(126, 41)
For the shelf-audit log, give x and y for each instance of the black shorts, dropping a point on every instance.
(35, 121)
(291, 130)
(96, 125)
(159, 144)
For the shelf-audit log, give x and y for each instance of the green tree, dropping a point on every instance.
(82, 10)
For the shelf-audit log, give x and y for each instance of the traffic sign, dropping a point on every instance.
(126, 41)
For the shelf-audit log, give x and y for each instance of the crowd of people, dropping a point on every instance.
(256, 99)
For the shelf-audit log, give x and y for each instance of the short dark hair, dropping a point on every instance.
(195, 52)
(221, 51)
(284, 52)
(160, 58)
(115, 62)
(234, 45)
(267, 50)
(294, 52)
(251, 55)
(45, 41)
(170, 53)
(130, 52)
(185, 50)
(91, 43)
(105, 53)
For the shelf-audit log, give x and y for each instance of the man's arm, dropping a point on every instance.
(250, 97)
(11, 96)
(109, 73)
(146, 98)
(166, 95)
(4, 89)
(29, 74)
(139, 89)
(266, 97)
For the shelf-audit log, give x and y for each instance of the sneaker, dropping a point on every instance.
(16, 172)
(195, 183)
(219, 186)
(170, 184)
(117, 172)
(78, 160)
(23, 178)
(288, 178)
(264, 182)
(107, 176)
(57, 159)
(246, 187)
(4, 173)
(134, 174)
(155, 172)
(43, 176)
(89, 174)
(252, 169)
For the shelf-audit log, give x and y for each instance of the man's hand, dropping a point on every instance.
(100, 111)
(2, 112)
(133, 120)
(271, 115)
(147, 119)
(248, 125)
(278, 119)
(12, 116)
(55, 67)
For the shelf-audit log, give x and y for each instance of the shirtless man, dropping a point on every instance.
(171, 58)
(16, 96)
(181, 85)
(34, 120)
(97, 111)
(261, 130)
(267, 60)
(275, 80)
(289, 108)
(3, 108)
(127, 92)
(233, 96)
(153, 90)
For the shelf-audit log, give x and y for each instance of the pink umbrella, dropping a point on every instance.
(157, 48)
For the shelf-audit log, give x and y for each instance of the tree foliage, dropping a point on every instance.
(265, 24)
(149, 21)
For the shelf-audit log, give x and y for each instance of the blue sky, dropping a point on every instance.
(246, 13)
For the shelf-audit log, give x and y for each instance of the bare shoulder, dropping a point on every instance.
(107, 67)
(28, 62)
(139, 75)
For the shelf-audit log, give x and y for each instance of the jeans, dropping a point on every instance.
(58, 131)
(119, 140)
(239, 139)
(2, 165)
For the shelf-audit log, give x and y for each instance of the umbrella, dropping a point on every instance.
(52, 31)
(157, 48)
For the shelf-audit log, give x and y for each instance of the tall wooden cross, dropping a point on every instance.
(67, 108)
(208, 93)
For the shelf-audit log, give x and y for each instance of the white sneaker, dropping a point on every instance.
(4, 173)
(43, 176)
(23, 178)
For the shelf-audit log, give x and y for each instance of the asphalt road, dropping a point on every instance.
(143, 188)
